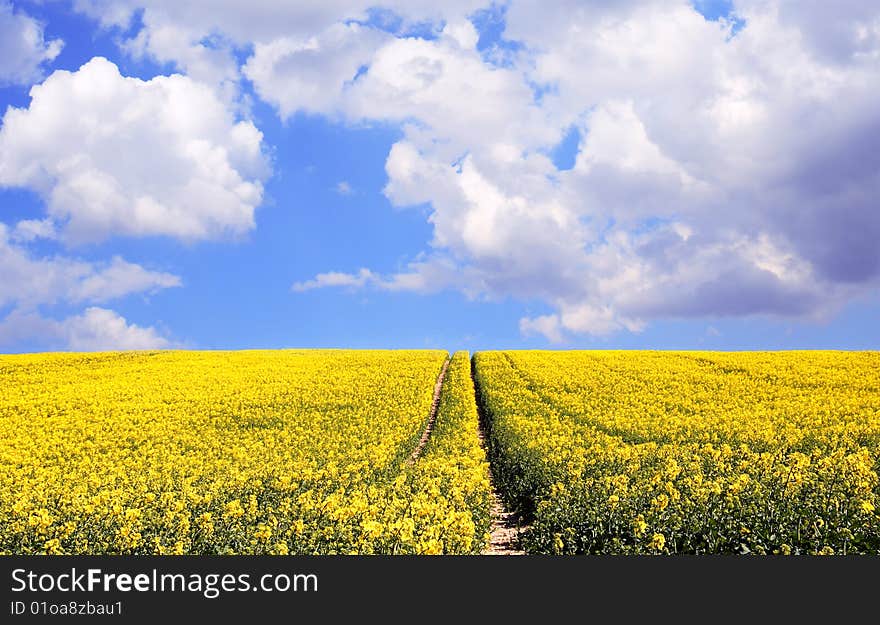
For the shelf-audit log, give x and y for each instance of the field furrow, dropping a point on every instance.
(228, 452)
(690, 452)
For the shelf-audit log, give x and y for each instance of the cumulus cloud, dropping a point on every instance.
(720, 171)
(113, 155)
(23, 47)
(264, 20)
(99, 329)
(96, 329)
(356, 73)
(29, 281)
(546, 325)
(119, 278)
(202, 39)
(208, 60)
(21, 325)
(311, 75)
(28, 230)
(31, 284)
(841, 32)
(725, 168)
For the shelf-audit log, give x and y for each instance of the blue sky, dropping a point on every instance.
(479, 177)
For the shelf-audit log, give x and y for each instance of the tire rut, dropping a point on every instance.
(506, 530)
(432, 418)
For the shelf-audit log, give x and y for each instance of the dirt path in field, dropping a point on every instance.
(504, 535)
(505, 532)
(432, 419)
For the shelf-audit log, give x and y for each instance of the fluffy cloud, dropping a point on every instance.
(265, 20)
(31, 229)
(357, 73)
(23, 48)
(724, 167)
(310, 75)
(844, 31)
(29, 282)
(119, 278)
(445, 85)
(32, 283)
(96, 329)
(206, 60)
(546, 325)
(719, 173)
(202, 38)
(99, 329)
(113, 155)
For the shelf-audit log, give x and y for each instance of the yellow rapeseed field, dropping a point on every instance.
(664, 452)
(309, 452)
(237, 452)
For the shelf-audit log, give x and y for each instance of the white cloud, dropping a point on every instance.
(19, 326)
(201, 39)
(118, 279)
(264, 20)
(310, 75)
(335, 279)
(28, 230)
(99, 329)
(32, 283)
(839, 32)
(718, 173)
(209, 61)
(445, 85)
(113, 155)
(360, 73)
(424, 277)
(23, 48)
(96, 329)
(29, 282)
(343, 188)
(545, 325)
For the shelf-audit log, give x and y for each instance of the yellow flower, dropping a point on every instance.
(407, 527)
(432, 547)
(233, 510)
(558, 545)
(161, 452)
(263, 532)
(660, 501)
(372, 529)
(639, 525)
(658, 542)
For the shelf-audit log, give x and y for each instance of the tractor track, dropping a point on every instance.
(507, 527)
(432, 418)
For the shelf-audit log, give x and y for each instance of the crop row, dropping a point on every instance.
(237, 452)
(645, 452)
